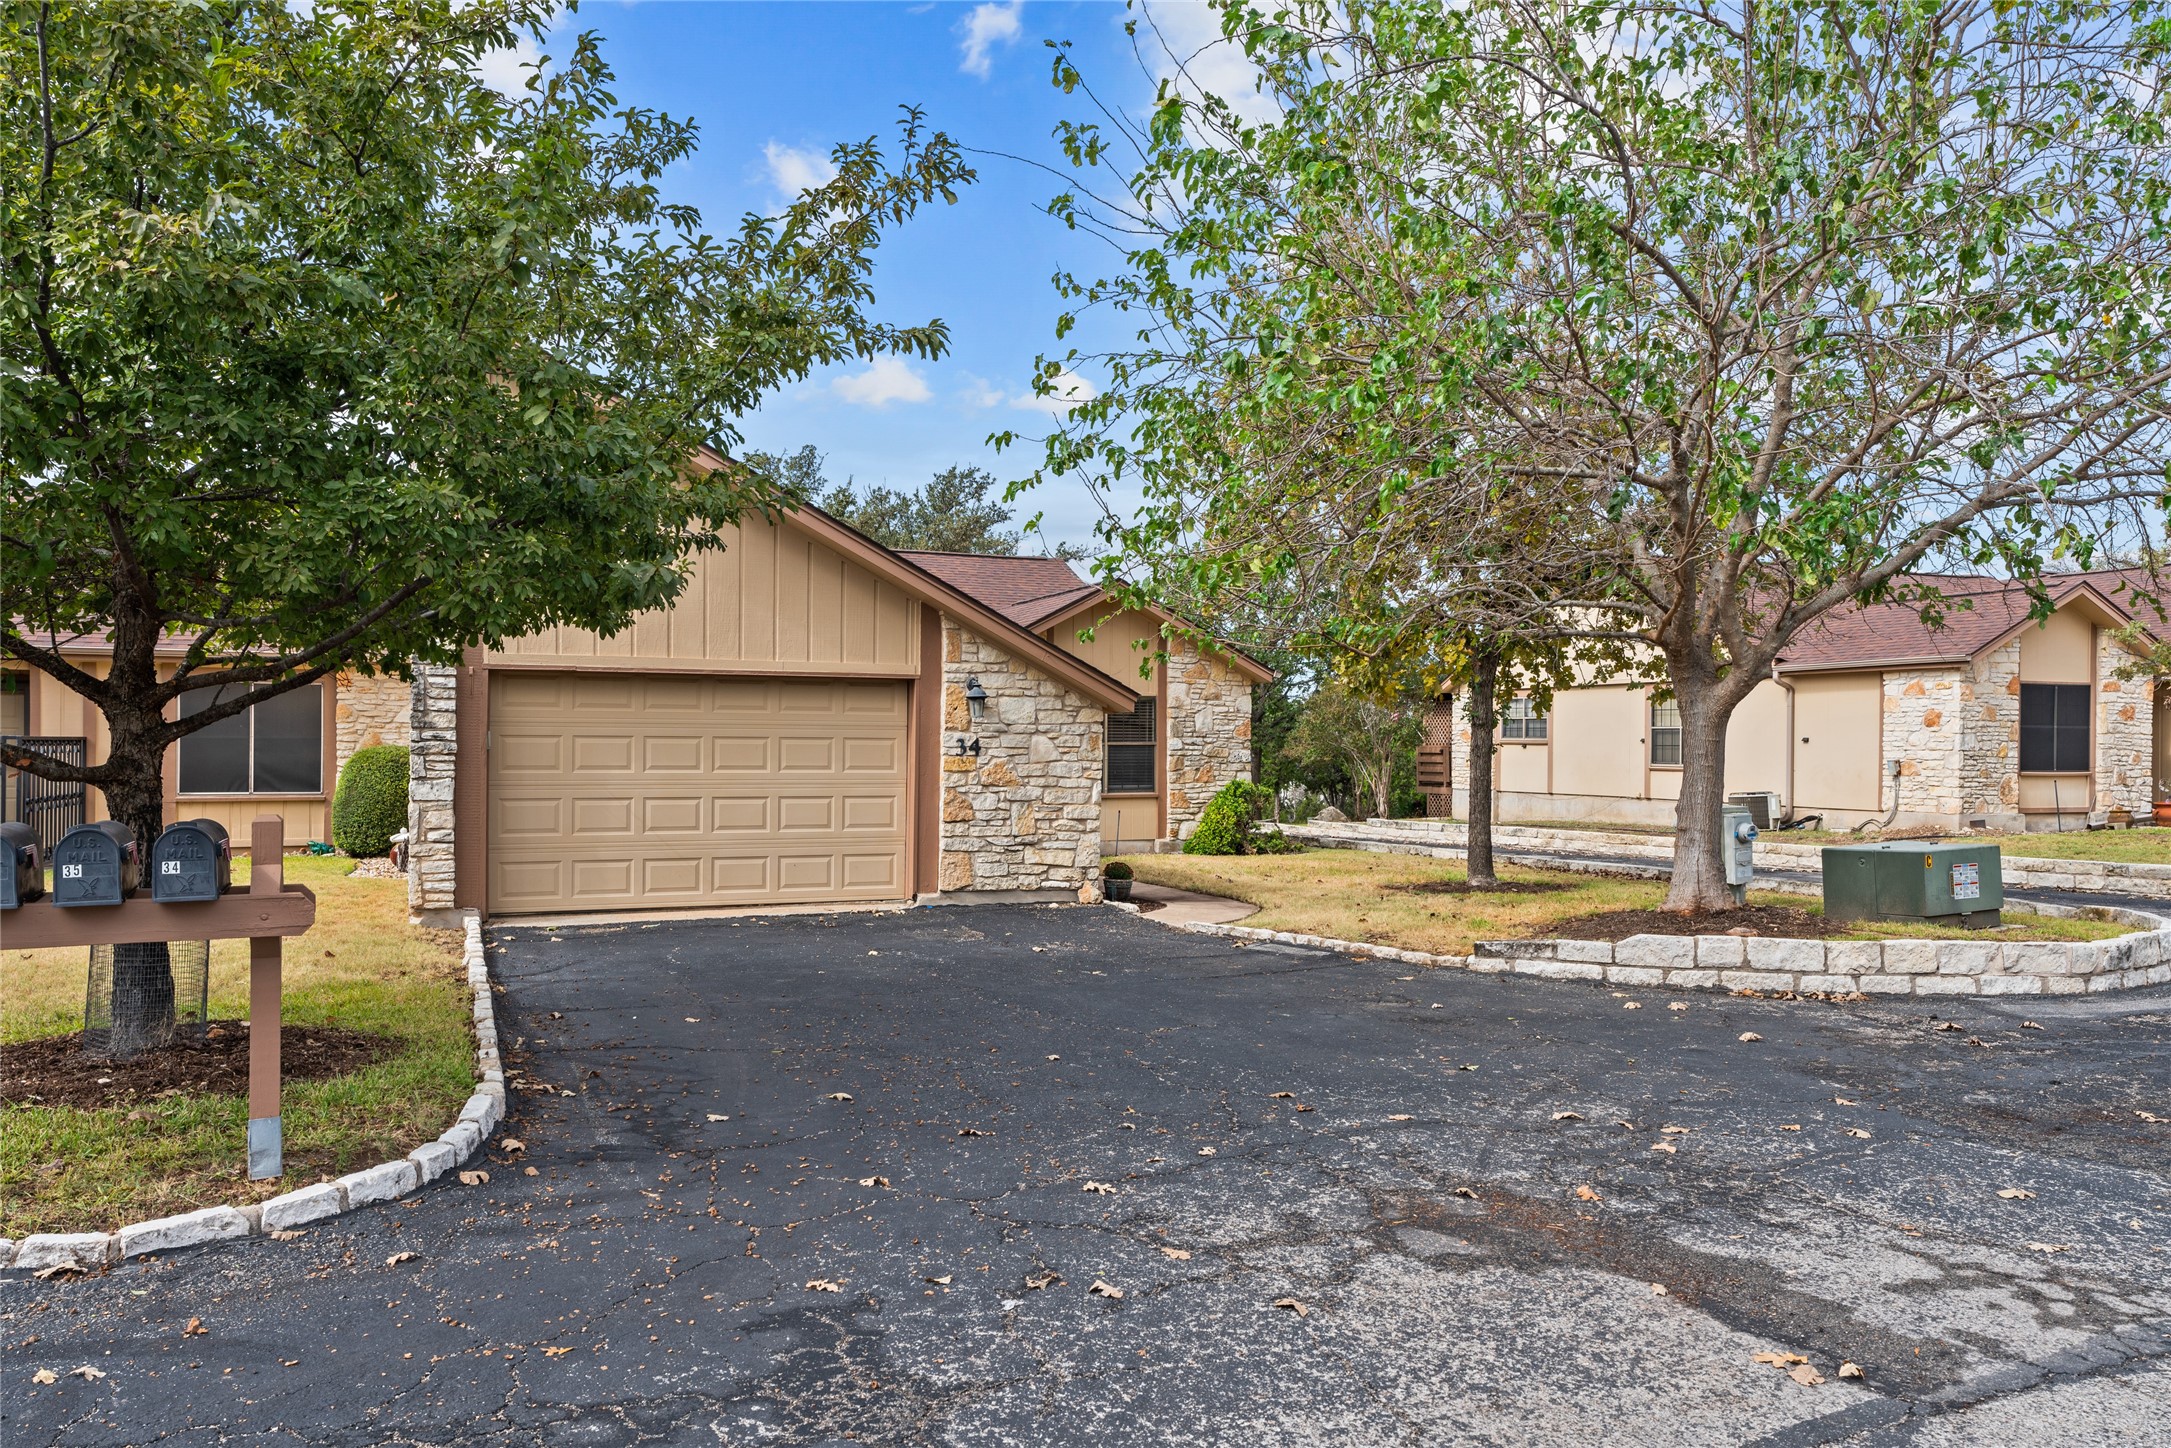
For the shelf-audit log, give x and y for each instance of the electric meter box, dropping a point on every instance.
(95, 864)
(1911, 880)
(22, 879)
(191, 862)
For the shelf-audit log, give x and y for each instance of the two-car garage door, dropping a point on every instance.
(613, 791)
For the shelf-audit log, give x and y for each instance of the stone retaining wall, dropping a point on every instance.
(2021, 872)
(95, 1251)
(431, 754)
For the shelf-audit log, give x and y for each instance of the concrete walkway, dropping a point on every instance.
(1189, 907)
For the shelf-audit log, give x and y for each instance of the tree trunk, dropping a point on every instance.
(1484, 678)
(143, 1004)
(1699, 862)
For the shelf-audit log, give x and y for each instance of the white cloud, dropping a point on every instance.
(1067, 390)
(507, 71)
(886, 380)
(989, 24)
(979, 392)
(794, 169)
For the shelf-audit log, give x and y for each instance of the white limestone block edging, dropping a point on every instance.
(387, 1181)
(1801, 967)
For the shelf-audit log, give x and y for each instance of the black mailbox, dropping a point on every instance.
(23, 879)
(191, 861)
(94, 865)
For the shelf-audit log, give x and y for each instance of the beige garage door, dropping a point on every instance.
(621, 791)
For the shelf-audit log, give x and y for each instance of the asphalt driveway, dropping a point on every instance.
(1045, 1176)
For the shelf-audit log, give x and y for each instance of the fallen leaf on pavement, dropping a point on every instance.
(943, 1281)
(1402, 1116)
(512, 1146)
(1792, 1126)
(1107, 1290)
(1281, 1095)
(718, 1116)
(693, 1020)
(1666, 1146)
(1206, 1151)
(1843, 1101)
(973, 1131)
(45, 1375)
(823, 1284)
(838, 1096)
(1777, 1359)
(1466, 1068)
(1948, 1026)
(2048, 1247)
(1055, 1058)
(1806, 1375)
(2015, 1194)
(1748, 1036)
(1588, 1194)
(398, 1257)
(1675, 1130)
(1567, 1116)
(1857, 1131)
(1677, 1005)
(2152, 1118)
(1466, 1192)
(1101, 1187)
(1039, 1280)
(530, 1171)
(285, 1234)
(473, 1178)
(1658, 1289)
(58, 1269)
(1631, 1005)
(86, 1372)
(874, 1181)
(1176, 1254)
(1849, 1370)
(2031, 1025)
(1293, 1305)
(556, 1351)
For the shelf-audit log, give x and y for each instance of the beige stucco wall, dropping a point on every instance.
(1840, 767)
(2059, 650)
(1024, 813)
(773, 601)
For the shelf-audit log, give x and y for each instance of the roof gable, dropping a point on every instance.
(1979, 614)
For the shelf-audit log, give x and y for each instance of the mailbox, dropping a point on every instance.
(23, 879)
(94, 864)
(191, 861)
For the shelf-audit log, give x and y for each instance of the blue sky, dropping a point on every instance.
(775, 83)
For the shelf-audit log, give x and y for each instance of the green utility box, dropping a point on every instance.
(1909, 880)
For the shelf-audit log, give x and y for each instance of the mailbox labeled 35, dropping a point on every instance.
(191, 861)
(95, 864)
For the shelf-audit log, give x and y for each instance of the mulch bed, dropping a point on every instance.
(1784, 922)
(53, 1071)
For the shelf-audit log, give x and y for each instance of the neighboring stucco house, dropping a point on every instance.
(1993, 717)
(817, 719)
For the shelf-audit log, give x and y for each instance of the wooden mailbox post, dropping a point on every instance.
(266, 913)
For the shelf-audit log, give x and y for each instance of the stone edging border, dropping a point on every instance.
(1731, 963)
(95, 1251)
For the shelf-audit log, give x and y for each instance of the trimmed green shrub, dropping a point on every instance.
(1116, 870)
(370, 804)
(1225, 824)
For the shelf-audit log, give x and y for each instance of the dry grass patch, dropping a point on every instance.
(1423, 903)
(362, 967)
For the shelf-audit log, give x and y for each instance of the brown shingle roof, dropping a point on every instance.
(1027, 591)
(1976, 614)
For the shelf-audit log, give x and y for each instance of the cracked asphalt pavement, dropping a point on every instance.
(856, 1177)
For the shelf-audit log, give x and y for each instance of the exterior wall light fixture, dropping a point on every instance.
(976, 698)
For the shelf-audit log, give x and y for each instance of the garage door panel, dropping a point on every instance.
(621, 791)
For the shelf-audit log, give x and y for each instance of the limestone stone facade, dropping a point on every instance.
(1025, 812)
(2125, 732)
(372, 710)
(433, 741)
(1925, 719)
(1208, 731)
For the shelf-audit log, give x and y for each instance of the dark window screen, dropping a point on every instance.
(2054, 728)
(1131, 742)
(215, 759)
(1666, 733)
(277, 747)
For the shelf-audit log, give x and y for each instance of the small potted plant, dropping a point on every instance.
(1116, 880)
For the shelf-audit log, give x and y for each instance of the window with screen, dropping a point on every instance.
(1522, 721)
(1130, 747)
(276, 747)
(14, 702)
(1666, 733)
(2054, 728)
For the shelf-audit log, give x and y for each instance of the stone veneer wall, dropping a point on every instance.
(1025, 813)
(2125, 731)
(434, 735)
(1990, 764)
(372, 709)
(1924, 718)
(1208, 731)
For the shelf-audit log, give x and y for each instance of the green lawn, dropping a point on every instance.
(362, 967)
(2127, 847)
(1360, 895)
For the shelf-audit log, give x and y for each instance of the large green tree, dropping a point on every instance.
(317, 351)
(1771, 306)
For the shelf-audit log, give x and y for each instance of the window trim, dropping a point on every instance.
(1544, 722)
(1652, 729)
(1152, 703)
(326, 766)
(2087, 727)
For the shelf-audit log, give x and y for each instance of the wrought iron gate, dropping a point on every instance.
(49, 808)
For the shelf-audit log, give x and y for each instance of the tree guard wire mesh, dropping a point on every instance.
(163, 991)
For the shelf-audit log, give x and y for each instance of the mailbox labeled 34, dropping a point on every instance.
(191, 861)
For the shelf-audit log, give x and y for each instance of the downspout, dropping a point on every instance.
(1788, 817)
